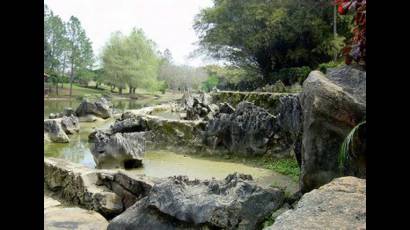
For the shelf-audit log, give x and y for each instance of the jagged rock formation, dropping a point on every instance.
(332, 105)
(53, 131)
(179, 203)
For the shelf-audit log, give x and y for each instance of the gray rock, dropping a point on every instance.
(179, 203)
(123, 150)
(100, 108)
(249, 130)
(70, 124)
(332, 105)
(104, 191)
(69, 111)
(128, 124)
(226, 108)
(341, 204)
(54, 131)
(77, 185)
(60, 218)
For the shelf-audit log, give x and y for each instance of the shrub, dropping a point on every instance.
(324, 66)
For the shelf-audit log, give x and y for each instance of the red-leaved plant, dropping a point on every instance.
(356, 49)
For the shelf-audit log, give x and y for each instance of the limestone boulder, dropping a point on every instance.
(100, 108)
(179, 203)
(118, 150)
(332, 105)
(340, 204)
(54, 131)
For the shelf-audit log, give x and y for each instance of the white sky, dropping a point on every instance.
(167, 22)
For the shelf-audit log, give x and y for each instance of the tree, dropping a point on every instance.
(131, 61)
(356, 49)
(80, 52)
(55, 46)
(265, 36)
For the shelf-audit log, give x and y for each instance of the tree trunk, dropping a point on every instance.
(335, 28)
(120, 91)
(57, 88)
(130, 90)
(71, 78)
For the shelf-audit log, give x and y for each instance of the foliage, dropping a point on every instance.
(180, 77)
(290, 76)
(288, 167)
(130, 61)
(345, 152)
(356, 49)
(265, 36)
(324, 66)
(210, 83)
(65, 45)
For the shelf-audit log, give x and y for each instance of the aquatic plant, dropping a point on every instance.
(346, 149)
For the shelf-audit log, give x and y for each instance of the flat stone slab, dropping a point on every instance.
(73, 218)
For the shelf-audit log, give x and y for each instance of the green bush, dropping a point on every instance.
(324, 66)
(290, 76)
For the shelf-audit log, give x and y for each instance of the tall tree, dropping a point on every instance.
(131, 61)
(265, 36)
(80, 51)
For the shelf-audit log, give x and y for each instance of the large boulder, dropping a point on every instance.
(70, 124)
(104, 191)
(118, 150)
(332, 105)
(179, 203)
(249, 130)
(341, 204)
(100, 108)
(54, 132)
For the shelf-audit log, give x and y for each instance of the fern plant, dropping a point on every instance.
(345, 153)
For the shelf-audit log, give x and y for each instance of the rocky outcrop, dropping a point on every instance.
(107, 192)
(179, 203)
(332, 105)
(266, 100)
(198, 106)
(54, 132)
(100, 108)
(251, 130)
(70, 124)
(341, 204)
(118, 150)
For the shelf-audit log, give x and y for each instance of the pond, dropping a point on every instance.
(156, 163)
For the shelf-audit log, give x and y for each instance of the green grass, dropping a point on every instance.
(285, 166)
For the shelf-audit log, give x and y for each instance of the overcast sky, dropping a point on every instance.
(167, 22)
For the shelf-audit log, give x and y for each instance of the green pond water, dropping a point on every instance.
(157, 163)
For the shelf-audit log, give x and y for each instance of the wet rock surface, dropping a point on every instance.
(340, 204)
(179, 203)
(332, 105)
